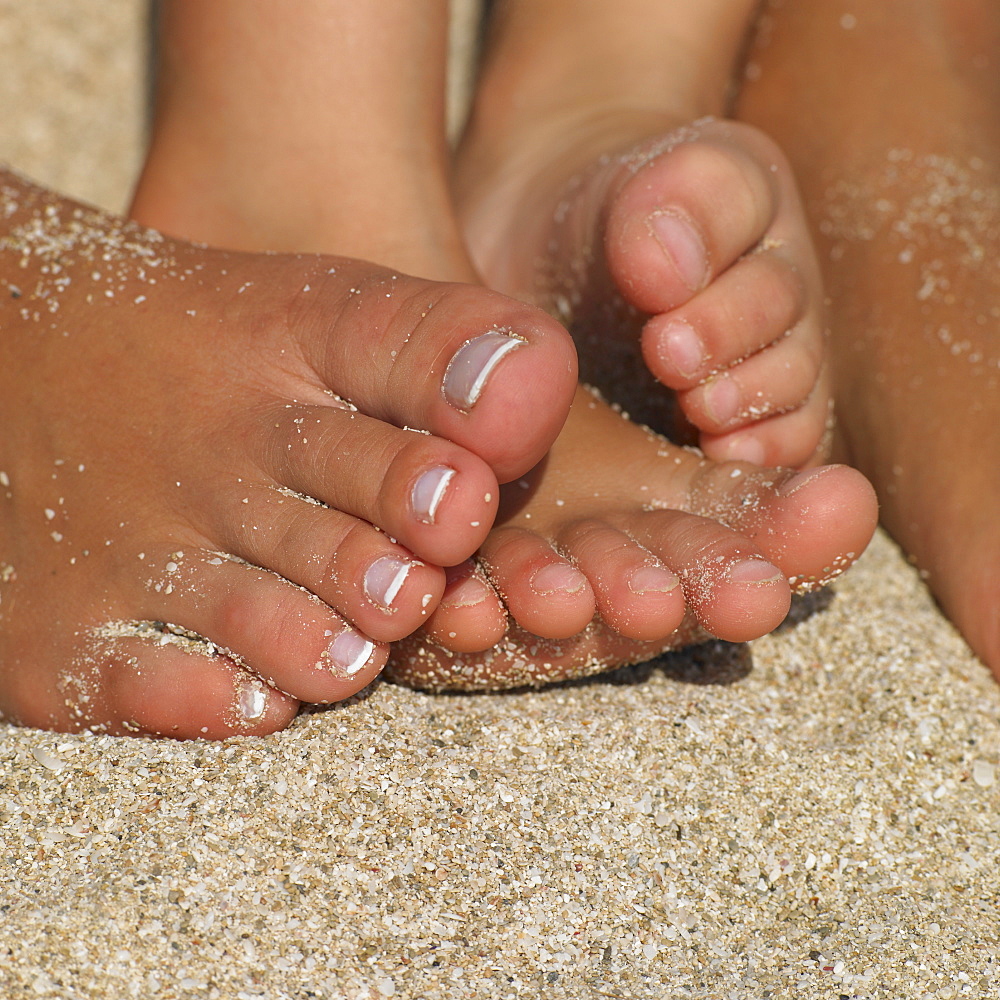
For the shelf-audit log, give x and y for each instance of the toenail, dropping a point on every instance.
(428, 492)
(683, 246)
(384, 579)
(472, 364)
(252, 700)
(465, 594)
(558, 576)
(745, 449)
(681, 347)
(755, 571)
(722, 400)
(349, 652)
(795, 483)
(652, 580)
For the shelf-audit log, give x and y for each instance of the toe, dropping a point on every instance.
(767, 384)
(760, 301)
(164, 685)
(433, 496)
(669, 233)
(636, 594)
(283, 634)
(470, 616)
(812, 525)
(489, 373)
(795, 438)
(358, 571)
(544, 592)
(734, 592)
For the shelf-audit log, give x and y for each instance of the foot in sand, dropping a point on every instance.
(615, 521)
(890, 117)
(211, 505)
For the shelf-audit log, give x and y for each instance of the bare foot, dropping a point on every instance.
(614, 521)
(210, 505)
(688, 243)
(890, 116)
(667, 547)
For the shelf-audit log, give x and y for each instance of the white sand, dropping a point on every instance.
(814, 815)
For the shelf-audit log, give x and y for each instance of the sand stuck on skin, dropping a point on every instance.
(815, 814)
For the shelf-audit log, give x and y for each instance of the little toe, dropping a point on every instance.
(544, 592)
(165, 685)
(636, 594)
(795, 438)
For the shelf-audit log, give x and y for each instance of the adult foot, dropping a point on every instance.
(689, 241)
(889, 116)
(212, 505)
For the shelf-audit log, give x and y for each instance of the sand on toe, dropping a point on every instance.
(816, 814)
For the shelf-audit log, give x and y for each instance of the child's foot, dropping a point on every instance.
(889, 112)
(211, 505)
(614, 519)
(688, 241)
(664, 545)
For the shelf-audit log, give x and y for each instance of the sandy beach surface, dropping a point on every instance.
(815, 815)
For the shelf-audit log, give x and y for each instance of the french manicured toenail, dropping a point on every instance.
(652, 580)
(683, 246)
(252, 700)
(349, 652)
(722, 400)
(472, 365)
(428, 492)
(465, 594)
(682, 348)
(755, 571)
(558, 576)
(384, 579)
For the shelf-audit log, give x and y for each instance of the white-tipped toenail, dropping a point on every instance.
(652, 580)
(428, 492)
(349, 652)
(472, 365)
(253, 701)
(384, 579)
(755, 571)
(558, 577)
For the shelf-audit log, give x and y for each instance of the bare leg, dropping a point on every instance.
(889, 113)
(615, 519)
